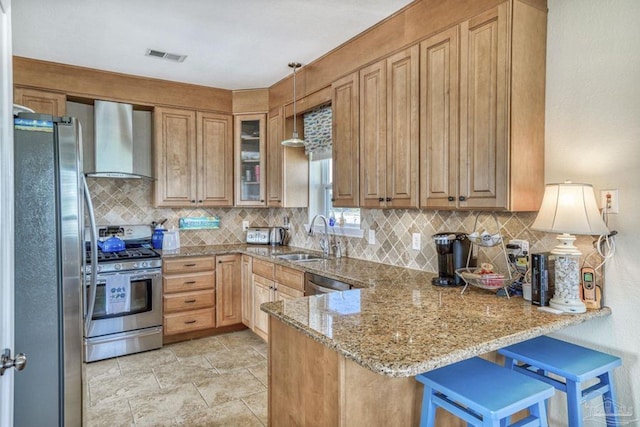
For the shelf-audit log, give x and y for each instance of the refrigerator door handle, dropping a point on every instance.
(91, 300)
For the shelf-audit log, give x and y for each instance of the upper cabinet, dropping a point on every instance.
(193, 158)
(389, 132)
(250, 162)
(41, 101)
(345, 134)
(493, 158)
(287, 167)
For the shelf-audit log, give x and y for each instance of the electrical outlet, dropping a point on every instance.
(609, 200)
(245, 225)
(372, 237)
(415, 243)
(518, 251)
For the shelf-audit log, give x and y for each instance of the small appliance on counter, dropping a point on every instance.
(453, 252)
(278, 236)
(258, 235)
(542, 278)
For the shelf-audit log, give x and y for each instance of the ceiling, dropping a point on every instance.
(230, 44)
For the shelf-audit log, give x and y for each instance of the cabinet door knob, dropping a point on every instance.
(451, 198)
(333, 200)
(199, 201)
(462, 198)
(389, 199)
(261, 200)
(381, 199)
(193, 201)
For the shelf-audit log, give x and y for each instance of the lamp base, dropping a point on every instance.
(568, 305)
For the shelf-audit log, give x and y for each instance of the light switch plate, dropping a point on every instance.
(416, 241)
(372, 237)
(245, 225)
(609, 199)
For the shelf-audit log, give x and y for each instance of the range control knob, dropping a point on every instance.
(99, 269)
(135, 265)
(117, 266)
(144, 264)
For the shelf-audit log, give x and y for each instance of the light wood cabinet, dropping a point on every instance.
(250, 154)
(272, 282)
(494, 157)
(193, 156)
(188, 295)
(389, 132)
(247, 291)
(228, 290)
(345, 135)
(287, 167)
(41, 101)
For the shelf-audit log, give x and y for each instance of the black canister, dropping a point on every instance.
(453, 251)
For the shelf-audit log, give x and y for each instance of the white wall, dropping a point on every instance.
(593, 136)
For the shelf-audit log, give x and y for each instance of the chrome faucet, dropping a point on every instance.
(324, 242)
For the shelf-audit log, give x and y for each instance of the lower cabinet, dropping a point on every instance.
(228, 290)
(272, 282)
(247, 290)
(205, 295)
(188, 295)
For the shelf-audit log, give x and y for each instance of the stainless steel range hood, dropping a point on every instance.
(117, 151)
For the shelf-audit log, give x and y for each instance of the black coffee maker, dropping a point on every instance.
(453, 251)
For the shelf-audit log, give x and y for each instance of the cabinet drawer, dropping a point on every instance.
(290, 277)
(188, 282)
(177, 323)
(189, 301)
(285, 292)
(259, 280)
(263, 268)
(188, 264)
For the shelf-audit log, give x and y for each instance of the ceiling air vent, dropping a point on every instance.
(165, 55)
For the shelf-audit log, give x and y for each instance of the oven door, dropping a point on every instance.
(144, 310)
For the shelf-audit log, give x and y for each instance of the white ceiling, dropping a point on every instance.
(230, 44)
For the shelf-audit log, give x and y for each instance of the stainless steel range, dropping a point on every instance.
(123, 296)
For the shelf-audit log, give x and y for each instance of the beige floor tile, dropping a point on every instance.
(164, 406)
(231, 386)
(115, 413)
(261, 372)
(118, 388)
(238, 340)
(233, 413)
(197, 347)
(145, 362)
(226, 361)
(263, 349)
(258, 403)
(97, 371)
(186, 371)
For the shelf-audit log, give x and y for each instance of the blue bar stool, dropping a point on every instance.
(483, 394)
(540, 356)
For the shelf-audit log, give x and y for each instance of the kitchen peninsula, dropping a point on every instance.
(349, 358)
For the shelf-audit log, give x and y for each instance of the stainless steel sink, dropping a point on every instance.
(298, 257)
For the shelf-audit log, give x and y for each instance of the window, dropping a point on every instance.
(347, 220)
(317, 135)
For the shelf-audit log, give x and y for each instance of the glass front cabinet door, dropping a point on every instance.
(250, 160)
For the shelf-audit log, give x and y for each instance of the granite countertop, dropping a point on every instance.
(398, 324)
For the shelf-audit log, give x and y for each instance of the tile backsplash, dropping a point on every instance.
(129, 201)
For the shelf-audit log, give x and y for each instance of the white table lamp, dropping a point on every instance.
(568, 209)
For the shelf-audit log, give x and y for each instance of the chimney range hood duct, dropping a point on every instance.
(114, 153)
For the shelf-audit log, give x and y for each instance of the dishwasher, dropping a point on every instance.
(314, 284)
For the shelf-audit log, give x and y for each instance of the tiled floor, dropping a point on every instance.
(216, 381)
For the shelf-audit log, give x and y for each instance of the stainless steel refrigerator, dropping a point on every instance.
(49, 202)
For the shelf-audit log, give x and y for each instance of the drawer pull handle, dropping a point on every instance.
(190, 301)
(191, 282)
(189, 265)
(189, 322)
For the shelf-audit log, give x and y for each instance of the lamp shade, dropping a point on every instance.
(570, 208)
